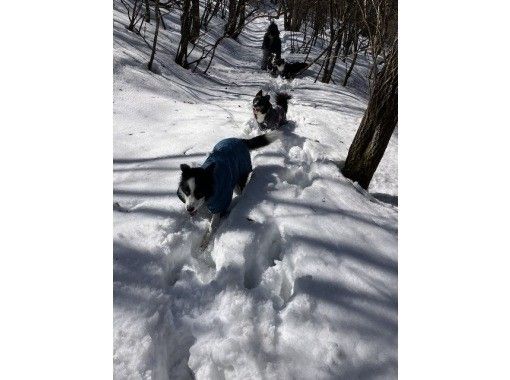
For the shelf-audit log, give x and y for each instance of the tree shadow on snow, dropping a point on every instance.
(159, 158)
(386, 198)
(133, 271)
(365, 305)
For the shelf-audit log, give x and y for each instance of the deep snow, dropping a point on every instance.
(300, 281)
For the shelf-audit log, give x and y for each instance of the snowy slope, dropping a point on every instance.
(301, 279)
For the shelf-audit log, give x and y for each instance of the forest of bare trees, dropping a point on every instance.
(340, 31)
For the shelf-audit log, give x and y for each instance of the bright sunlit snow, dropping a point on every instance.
(300, 280)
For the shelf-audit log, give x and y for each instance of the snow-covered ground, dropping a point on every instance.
(300, 281)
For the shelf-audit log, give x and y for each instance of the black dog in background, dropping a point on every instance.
(288, 70)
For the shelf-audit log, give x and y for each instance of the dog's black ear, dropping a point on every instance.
(267, 97)
(185, 167)
(259, 94)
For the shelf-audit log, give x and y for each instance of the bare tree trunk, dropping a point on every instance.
(236, 18)
(160, 15)
(331, 60)
(349, 71)
(137, 6)
(206, 13)
(288, 6)
(223, 8)
(241, 18)
(327, 75)
(147, 11)
(232, 17)
(377, 125)
(335, 53)
(153, 53)
(210, 14)
(195, 20)
(182, 51)
(295, 21)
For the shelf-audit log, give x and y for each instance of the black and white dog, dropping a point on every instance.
(288, 70)
(267, 116)
(271, 68)
(226, 169)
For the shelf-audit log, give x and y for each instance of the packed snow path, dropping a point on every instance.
(300, 281)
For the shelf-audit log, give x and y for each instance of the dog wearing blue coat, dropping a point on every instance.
(213, 183)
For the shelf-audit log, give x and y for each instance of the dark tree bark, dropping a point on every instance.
(377, 125)
(206, 13)
(326, 77)
(182, 51)
(147, 11)
(232, 17)
(133, 16)
(295, 21)
(331, 59)
(335, 54)
(153, 53)
(195, 20)
(287, 6)
(353, 62)
(294, 11)
(160, 16)
(241, 18)
(236, 18)
(223, 8)
(210, 13)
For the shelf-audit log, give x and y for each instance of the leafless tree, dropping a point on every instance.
(195, 20)
(341, 28)
(211, 9)
(134, 13)
(294, 12)
(379, 18)
(236, 18)
(377, 125)
(156, 31)
(209, 50)
(186, 21)
(147, 11)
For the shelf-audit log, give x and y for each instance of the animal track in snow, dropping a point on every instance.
(261, 253)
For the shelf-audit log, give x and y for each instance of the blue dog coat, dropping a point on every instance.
(233, 163)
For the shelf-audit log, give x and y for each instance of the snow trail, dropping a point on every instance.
(299, 281)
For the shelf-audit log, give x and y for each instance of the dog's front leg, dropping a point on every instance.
(215, 220)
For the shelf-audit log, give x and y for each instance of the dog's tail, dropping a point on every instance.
(262, 140)
(282, 99)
